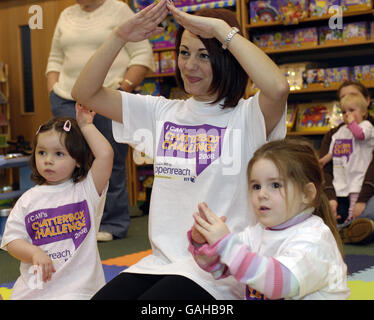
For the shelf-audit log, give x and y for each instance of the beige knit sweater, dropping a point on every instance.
(79, 34)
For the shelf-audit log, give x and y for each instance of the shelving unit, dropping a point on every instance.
(322, 55)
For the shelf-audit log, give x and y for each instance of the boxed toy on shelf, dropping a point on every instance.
(330, 36)
(316, 116)
(263, 11)
(313, 78)
(306, 37)
(149, 87)
(364, 74)
(166, 39)
(320, 8)
(356, 5)
(156, 56)
(264, 41)
(167, 61)
(336, 76)
(294, 74)
(292, 11)
(355, 32)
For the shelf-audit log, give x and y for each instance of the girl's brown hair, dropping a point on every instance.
(297, 161)
(75, 144)
(229, 78)
(358, 85)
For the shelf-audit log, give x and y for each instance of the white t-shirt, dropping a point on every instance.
(63, 221)
(351, 158)
(200, 153)
(309, 250)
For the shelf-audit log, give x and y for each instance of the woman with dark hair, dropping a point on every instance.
(200, 146)
(361, 228)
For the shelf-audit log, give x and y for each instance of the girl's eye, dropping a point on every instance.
(256, 187)
(41, 153)
(59, 153)
(276, 185)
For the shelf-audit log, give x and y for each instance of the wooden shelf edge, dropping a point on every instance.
(318, 47)
(306, 133)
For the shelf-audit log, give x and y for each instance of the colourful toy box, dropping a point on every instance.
(314, 117)
(355, 32)
(293, 11)
(306, 37)
(294, 74)
(320, 8)
(166, 39)
(263, 12)
(167, 61)
(265, 41)
(334, 77)
(284, 40)
(356, 5)
(371, 30)
(156, 56)
(330, 36)
(314, 78)
(149, 87)
(291, 116)
(364, 74)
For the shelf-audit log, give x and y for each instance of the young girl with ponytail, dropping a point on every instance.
(294, 251)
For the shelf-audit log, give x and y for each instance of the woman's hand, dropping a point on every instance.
(211, 227)
(144, 24)
(201, 26)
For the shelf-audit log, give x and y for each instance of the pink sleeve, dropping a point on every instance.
(356, 130)
(207, 258)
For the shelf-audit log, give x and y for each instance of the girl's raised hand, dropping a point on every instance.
(83, 115)
(211, 227)
(144, 24)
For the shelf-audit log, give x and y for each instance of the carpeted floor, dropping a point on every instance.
(119, 254)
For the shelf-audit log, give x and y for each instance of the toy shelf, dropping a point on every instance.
(306, 20)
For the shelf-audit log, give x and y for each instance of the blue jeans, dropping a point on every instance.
(116, 215)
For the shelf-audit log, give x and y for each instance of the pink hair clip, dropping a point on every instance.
(37, 131)
(67, 125)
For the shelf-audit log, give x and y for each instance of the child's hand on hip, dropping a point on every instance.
(41, 260)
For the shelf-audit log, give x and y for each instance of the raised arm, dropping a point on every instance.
(102, 150)
(88, 89)
(260, 68)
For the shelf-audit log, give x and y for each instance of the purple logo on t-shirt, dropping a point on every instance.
(342, 148)
(203, 143)
(71, 221)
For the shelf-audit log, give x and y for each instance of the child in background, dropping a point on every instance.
(52, 228)
(294, 252)
(351, 150)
